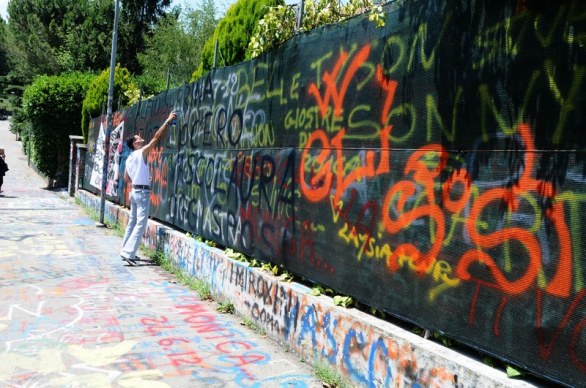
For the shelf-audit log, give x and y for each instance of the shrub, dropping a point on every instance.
(233, 33)
(52, 107)
(280, 22)
(97, 95)
(18, 122)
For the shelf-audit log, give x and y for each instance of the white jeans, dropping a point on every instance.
(140, 203)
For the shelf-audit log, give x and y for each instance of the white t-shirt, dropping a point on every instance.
(137, 169)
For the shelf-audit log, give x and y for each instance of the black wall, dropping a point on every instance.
(433, 168)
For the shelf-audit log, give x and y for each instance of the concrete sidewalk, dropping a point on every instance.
(73, 314)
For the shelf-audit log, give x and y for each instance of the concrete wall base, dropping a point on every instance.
(365, 350)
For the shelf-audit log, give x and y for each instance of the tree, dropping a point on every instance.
(201, 24)
(3, 57)
(177, 43)
(51, 37)
(3, 66)
(87, 45)
(137, 21)
(36, 32)
(233, 33)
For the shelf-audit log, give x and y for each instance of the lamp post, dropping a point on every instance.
(109, 117)
(300, 14)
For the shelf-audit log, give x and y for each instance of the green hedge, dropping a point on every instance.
(97, 96)
(52, 107)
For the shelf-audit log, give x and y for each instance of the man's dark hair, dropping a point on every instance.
(130, 142)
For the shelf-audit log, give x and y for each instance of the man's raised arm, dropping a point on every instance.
(160, 133)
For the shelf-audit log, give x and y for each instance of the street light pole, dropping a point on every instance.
(300, 14)
(109, 117)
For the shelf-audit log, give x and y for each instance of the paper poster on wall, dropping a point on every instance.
(114, 154)
(96, 178)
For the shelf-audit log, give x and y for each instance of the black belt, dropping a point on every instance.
(144, 187)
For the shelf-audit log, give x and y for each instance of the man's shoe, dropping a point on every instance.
(131, 262)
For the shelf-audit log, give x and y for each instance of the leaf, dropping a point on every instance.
(488, 361)
(513, 372)
(343, 301)
(447, 342)
(286, 277)
(315, 291)
(265, 266)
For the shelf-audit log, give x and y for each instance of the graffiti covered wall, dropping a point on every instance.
(433, 168)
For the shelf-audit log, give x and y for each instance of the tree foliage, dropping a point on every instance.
(280, 22)
(96, 99)
(4, 79)
(87, 44)
(52, 106)
(3, 57)
(177, 43)
(138, 18)
(233, 33)
(56, 36)
(36, 32)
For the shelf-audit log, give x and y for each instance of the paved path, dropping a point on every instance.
(73, 314)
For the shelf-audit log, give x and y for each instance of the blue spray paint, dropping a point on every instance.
(355, 374)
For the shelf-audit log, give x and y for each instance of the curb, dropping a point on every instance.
(363, 349)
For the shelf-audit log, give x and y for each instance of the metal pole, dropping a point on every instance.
(28, 144)
(216, 54)
(300, 14)
(109, 116)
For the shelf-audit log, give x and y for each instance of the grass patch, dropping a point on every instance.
(329, 376)
(116, 228)
(226, 307)
(94, 215)
(90, 212)
(252, 326)
(202, 288)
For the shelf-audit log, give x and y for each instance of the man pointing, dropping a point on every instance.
(137, 172)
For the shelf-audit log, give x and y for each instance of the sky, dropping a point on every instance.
(3, 6)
